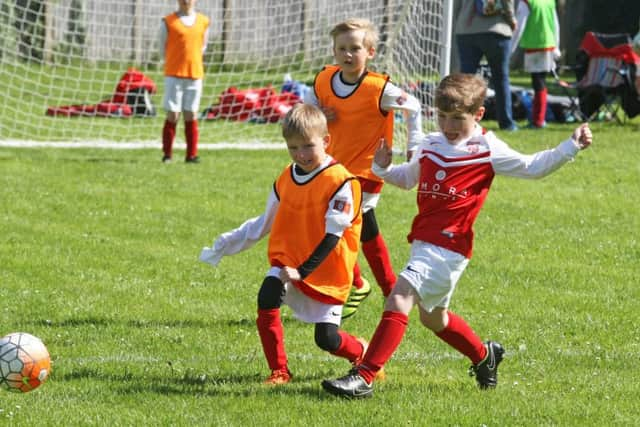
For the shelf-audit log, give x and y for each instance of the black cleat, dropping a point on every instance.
(194, 159)
(166, 159)
(351, 385)
(486, 372)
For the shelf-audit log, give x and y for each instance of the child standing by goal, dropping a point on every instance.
(359, 106)
(314, 216)
(453, 169)
(183, 40)
(538, 33)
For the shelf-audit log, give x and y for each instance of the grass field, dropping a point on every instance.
(98, 257)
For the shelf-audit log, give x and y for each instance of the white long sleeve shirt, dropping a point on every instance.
(454, 180)
(253, 230)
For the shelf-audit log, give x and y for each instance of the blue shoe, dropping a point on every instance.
(513, 128)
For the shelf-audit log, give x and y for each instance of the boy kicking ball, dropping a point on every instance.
(453, 170)
(314, 218)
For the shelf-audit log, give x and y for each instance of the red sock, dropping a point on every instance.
(272, 337)
(357, 277)
(350, 348)
(191, 135)
(385, 340)
(377, 254)
(539, 107)
(459, 335)
(168, 135)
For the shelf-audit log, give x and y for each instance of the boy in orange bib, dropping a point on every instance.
(183, 40)
(359, 105)
(313, 214)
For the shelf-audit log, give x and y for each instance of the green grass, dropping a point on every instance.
(98, 256)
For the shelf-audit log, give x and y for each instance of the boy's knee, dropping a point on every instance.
(271, 293)
(435, 320)
(327, 337)
(369, 226)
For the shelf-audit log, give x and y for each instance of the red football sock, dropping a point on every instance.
(539, 107)
(357, 277)
(191, 135)
(168, 135)
(272, 337)
(350, 348)
(459, 335)
(377, 254)
(385, 341)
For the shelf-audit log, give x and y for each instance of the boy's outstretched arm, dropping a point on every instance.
(243, 237)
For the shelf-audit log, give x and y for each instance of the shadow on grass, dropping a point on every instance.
(118, 160)
(149, 323)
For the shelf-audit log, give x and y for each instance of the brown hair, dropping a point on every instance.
(459, 92)
(355, 24)
(304, 120)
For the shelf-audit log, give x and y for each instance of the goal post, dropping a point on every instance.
(61, 62)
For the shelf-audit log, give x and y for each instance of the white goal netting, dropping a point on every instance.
(90, 70)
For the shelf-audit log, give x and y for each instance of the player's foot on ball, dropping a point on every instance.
(356, 296)
(194, 159)
(166, 159)
(351, 385)
(486, 372)
(278, 377)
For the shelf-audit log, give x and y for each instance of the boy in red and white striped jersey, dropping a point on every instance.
(453, 170)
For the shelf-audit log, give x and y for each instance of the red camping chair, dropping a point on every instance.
(605, 72)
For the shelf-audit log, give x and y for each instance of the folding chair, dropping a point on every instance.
(604, 74)
(570, 91)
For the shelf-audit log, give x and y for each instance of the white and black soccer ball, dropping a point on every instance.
(25, 363)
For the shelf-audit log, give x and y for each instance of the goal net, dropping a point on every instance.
(91, 70)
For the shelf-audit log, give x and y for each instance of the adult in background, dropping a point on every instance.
(538, 34)
(183, 40)
(485, 28)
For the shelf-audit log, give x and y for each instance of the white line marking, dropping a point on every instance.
(255, 145)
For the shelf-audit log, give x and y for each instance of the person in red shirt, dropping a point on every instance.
(453, 169)
(314, 218)
(183, 40)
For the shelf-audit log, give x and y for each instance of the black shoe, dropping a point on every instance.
(486, 372)
(194, 159)
(166, 159)
(351, 385)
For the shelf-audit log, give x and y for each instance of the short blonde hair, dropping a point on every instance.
(464, 93)
(304, 120)
(355, 24)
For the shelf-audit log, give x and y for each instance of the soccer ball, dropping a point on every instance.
(24, 362)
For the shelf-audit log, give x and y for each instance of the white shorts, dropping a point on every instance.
(370, 200)
(307, 309)
(539, 62)
(433, 272)
(182, 94)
